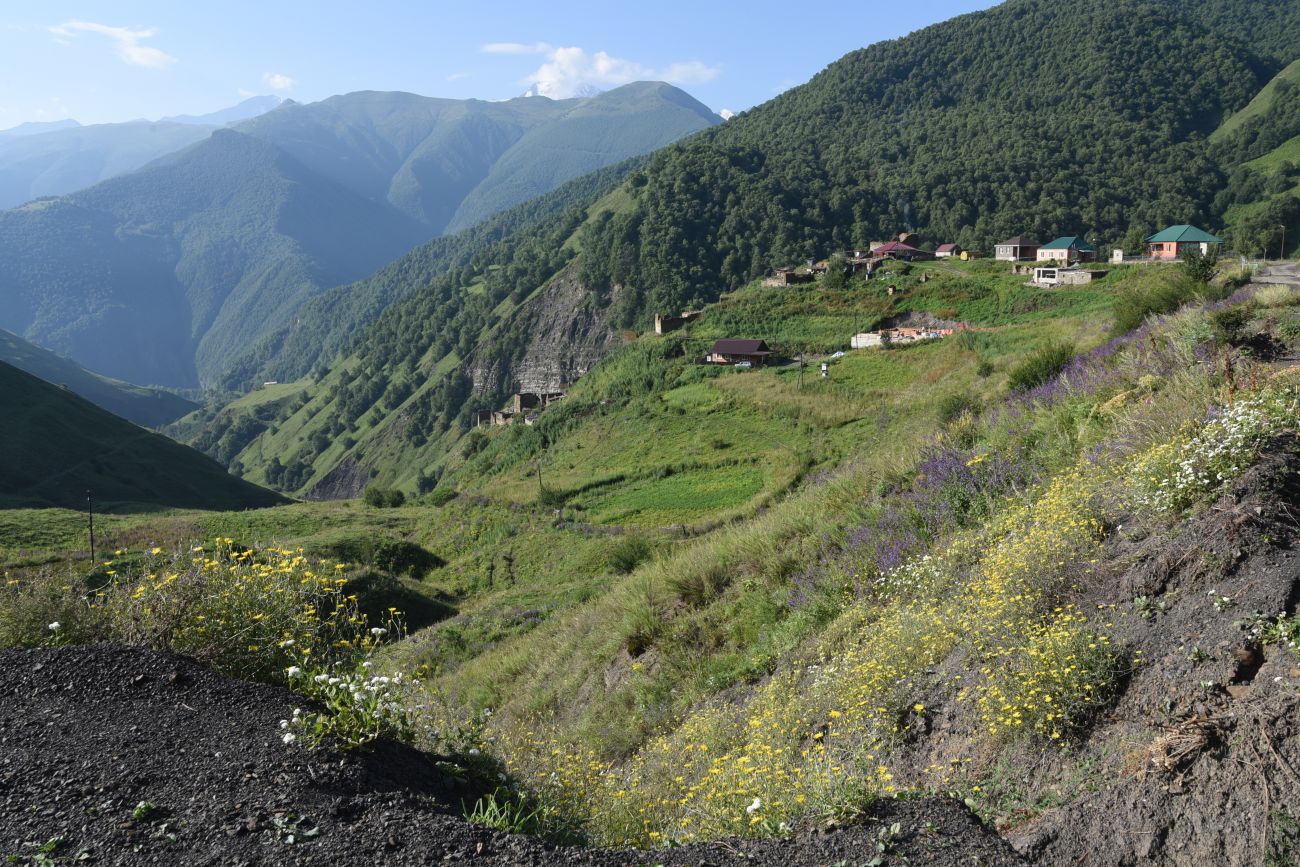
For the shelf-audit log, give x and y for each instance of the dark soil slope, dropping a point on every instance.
(1199, 761)
(89, 733)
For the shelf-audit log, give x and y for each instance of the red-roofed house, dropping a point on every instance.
(947, 251)
(899, 250)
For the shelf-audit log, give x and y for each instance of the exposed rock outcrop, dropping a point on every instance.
(567, 335)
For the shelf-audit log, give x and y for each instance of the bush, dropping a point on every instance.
(1041, 366)
(441, 496)
(628, 552)
(953, 405)
(383, 498)
(1229, 325)
(1133, 305)
(246, 613)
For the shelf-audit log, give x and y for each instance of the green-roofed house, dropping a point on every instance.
(1068, 250)
(1176, 240)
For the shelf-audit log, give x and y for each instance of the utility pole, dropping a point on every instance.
(801, 370)
(1281, 250)
(540, 489)
(90, 513)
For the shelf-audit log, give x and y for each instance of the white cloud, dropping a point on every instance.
(457, 76)
(126, 42)
(516, 48)
(277, 81)
(572, 71)
(726, 114)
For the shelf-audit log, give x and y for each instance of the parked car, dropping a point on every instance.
(838, 355)
(744, 365)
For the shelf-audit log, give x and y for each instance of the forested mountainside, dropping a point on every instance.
(324, 325)
(147, 407)
(170, 273)
(58, 158)
(55, 447)
(1033, 117)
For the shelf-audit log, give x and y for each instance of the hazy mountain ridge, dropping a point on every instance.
(148, 407)
(170, 273)
(57, 158)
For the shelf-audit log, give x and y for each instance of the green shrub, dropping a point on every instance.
(1229, 325)
(1134, 304)
(627, 552)
(383, 498)
(953, 405)
(1041, 366)
(441, 496)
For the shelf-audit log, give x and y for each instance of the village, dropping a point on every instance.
(1058, 263)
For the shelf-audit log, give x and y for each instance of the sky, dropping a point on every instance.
(101, 62)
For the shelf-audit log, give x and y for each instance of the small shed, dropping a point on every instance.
(731, 351)
(947, 251)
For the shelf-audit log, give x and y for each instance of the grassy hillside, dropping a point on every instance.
(57, 446)
(1261, 105)
(951, 567)
(1261, 145)
(148, 407)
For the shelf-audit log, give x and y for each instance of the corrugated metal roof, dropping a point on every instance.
(1184, 234)
(1069, 241)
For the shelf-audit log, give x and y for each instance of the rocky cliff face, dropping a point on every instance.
(566, 336)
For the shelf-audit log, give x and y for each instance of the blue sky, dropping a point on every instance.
(111, 61)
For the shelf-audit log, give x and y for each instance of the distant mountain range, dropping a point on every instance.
(165, 275)
(60, 157)
(36, 127)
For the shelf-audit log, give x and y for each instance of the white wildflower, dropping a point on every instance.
(755, 807)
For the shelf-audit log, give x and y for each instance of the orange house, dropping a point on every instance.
(1173, 242)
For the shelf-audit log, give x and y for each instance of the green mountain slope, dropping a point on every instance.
(56, 446)
(63, 161)
(971, 130)
(56, 158)
(427, 156)
(326, 323)
(1260, 145)
(613, 126)
(163, 274)
(147, 407)
(211, 249)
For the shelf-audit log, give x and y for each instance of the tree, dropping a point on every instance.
(1199, 266)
